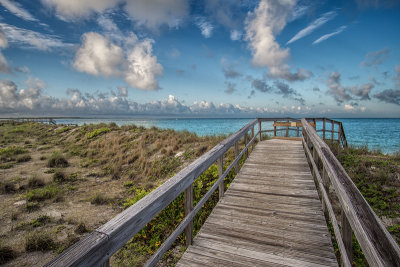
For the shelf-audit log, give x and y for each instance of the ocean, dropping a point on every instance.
(377, 134)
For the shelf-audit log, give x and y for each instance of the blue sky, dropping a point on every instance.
(200, 58)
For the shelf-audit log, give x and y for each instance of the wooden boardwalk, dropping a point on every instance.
(271, 215)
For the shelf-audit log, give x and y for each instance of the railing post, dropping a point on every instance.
(245, 144)
(259, 130)
(323, 129)
(287, 130)
(340, 133)
(188, 208)
(252, 136)
(106, 263)
(274, 128)
(220, 172)
(236, 155)
(347, 236)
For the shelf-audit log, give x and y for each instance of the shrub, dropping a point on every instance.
(9, 152)
(57, 160)
(41, 220)
(6, 254)
(24, 158)
(40, 194)
(30, 207)
(59, 176)
(81, 229)
(39, 241)
(7, 187)
(97, 132)
(99, 199)
(35, 182)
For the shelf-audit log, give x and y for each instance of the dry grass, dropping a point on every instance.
(67, 169)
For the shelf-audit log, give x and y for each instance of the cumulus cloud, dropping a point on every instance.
(389, 96)
(100, 56)
(267, 20)
(150, 14)
(76, 9)
(17, 10)
(205, 26)
(31, 39)
(32, 101)
(349, 107)
(329, 35)
(374, 59)
(313, 26)
(342, 93)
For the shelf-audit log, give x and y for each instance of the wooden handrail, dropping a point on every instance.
(378, 246)
(101, 244)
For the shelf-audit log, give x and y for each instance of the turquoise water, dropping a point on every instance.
(382, 134)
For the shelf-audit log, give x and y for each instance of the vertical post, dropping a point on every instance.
(274, 128)
(315, 123)
(245, 144)
(252, 136)
(323, 129)
(188, 208)
(287, 129)
(259, 130)
(106, 263)
(236, 155)
(347, 236)
(333, 128)
(220, 172)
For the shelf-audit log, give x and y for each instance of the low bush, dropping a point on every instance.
(6, 254)
(57, 160)
(39, 241)
(35, 182)
(59, 176)
(41, 194)
(97, 132)
(24, 158)
(99, 199)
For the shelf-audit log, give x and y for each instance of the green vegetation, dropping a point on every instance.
(40, 194)
(57, 160)
(100, 199)
(39, 241)
(97, 132)
(35, 182)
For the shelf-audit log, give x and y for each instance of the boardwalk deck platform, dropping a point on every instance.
(271, 215)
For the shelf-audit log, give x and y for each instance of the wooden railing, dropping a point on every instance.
(48, 120)
(378, 246)
(290, 125)
(96, 248)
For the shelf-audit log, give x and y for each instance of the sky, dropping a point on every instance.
(209, 58)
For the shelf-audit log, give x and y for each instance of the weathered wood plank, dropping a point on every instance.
(270, 215)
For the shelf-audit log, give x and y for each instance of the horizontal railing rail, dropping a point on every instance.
(96, 248)
(378, 246)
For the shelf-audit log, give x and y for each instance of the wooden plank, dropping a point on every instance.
(188, 207)
(270, 215)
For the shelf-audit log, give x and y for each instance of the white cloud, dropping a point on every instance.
(151, 14)
(100, 56)
(236, 35)
(267, 20)
(205, 26)
(349, 107)
(31, 39)
(397, 77)
(17, 10)
(329, 35)
(313, 26)
(76, 9)
(3, 62)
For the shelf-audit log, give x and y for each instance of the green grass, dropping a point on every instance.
(57, 160)
(40, 194)
(97, 132)
(39, 241)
